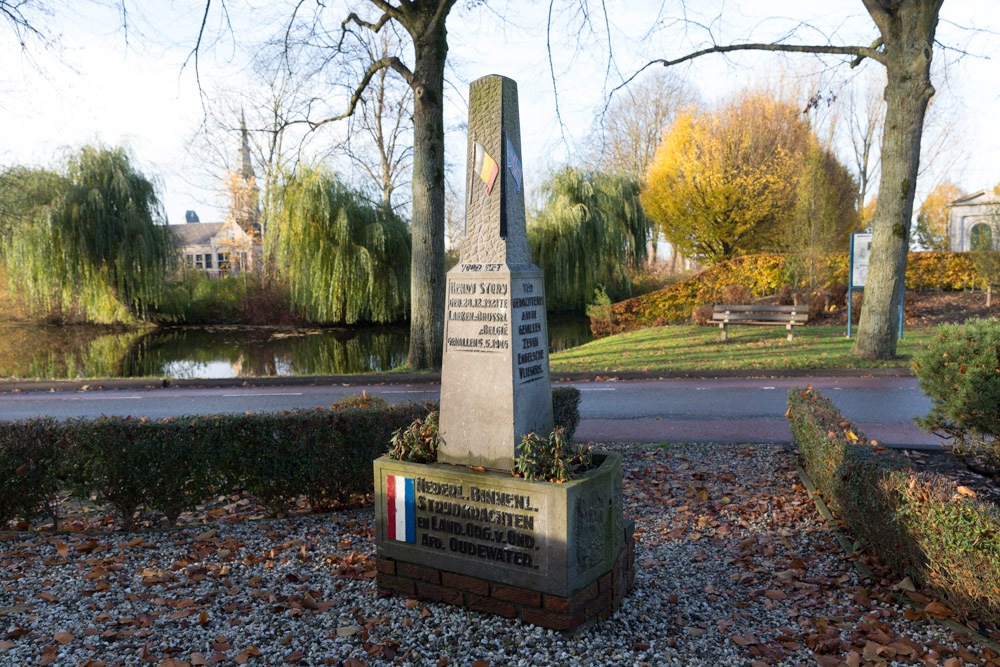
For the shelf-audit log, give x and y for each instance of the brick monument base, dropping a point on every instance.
(594, 603)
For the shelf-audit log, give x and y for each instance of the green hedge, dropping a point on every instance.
(916, 522)
(171, 465)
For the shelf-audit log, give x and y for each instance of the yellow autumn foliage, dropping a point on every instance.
(726, 184)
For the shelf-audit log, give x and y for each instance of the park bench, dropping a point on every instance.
(789, 316)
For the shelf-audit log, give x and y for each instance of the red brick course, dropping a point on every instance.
(593, 603)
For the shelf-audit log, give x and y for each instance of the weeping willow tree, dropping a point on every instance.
(345, 261)
(88, 242)
(591, 233)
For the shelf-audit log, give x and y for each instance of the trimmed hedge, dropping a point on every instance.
(31, 453)
(764, 275)
(171, 465)
(917, 522)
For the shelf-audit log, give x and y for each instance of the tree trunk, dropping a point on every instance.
(907, 28)
(427, 276)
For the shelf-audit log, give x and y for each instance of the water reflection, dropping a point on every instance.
(50, 352)
(218, 352)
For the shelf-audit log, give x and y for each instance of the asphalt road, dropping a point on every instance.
(674, 410)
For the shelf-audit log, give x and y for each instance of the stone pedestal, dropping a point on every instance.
(463, 530)
(555, 555)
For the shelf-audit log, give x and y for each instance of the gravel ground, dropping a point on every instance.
(734, 567)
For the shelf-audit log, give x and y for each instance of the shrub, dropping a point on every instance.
(131, 463)
(566, 409)
(960, 372)
(735, 295)
(702, 315)
(31, 454)
(916, 522)
(767, 274)
(552, 459)
(418, 442)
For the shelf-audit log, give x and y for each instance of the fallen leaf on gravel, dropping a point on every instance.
(905, 585)
(49, 655)
(62, 549)
(18, 608)
(64, 638)
(348, 630)
(243, 656)
(174, 662)
(6, 645)
(966, 491)
(295, 656)
(938, 609)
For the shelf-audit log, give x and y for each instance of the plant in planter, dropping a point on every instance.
(552, 459)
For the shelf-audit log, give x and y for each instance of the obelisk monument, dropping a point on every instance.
(495, 369)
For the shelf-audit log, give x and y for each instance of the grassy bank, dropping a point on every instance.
(695, 348)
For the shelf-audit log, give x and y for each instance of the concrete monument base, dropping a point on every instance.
(556, 555)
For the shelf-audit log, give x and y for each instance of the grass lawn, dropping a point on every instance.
(698, 348)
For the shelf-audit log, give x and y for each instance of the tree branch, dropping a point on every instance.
(391, 62)
(357, 20)
(861, 52)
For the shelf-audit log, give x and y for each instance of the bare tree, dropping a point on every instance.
(865, 118)
(424, 22)
(380, 133)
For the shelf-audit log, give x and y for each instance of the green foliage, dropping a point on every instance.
(31, 456)
(987, 263)
(418, 442)
(345, 261)
(170, 465)
(600, 308)
(362, 400)
(91, 239)
(566, 409)
(960, 372)
(916, 522)
(591, 233)
(552, 459)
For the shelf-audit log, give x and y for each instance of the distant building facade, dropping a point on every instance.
(233, 246)
(217, 248)
(974, 222)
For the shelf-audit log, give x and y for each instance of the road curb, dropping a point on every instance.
(110, 384)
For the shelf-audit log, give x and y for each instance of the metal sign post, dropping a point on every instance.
(861, 246)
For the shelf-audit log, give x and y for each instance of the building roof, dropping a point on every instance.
(196, 233)
(977, 199)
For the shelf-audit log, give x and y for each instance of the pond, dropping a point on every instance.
(58, 353)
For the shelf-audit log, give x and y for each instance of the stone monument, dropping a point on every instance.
(463, 530)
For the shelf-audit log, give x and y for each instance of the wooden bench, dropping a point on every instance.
(787, 316)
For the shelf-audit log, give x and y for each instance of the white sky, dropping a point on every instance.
(96, 87)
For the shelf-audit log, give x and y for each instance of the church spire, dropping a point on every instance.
(246, 168)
